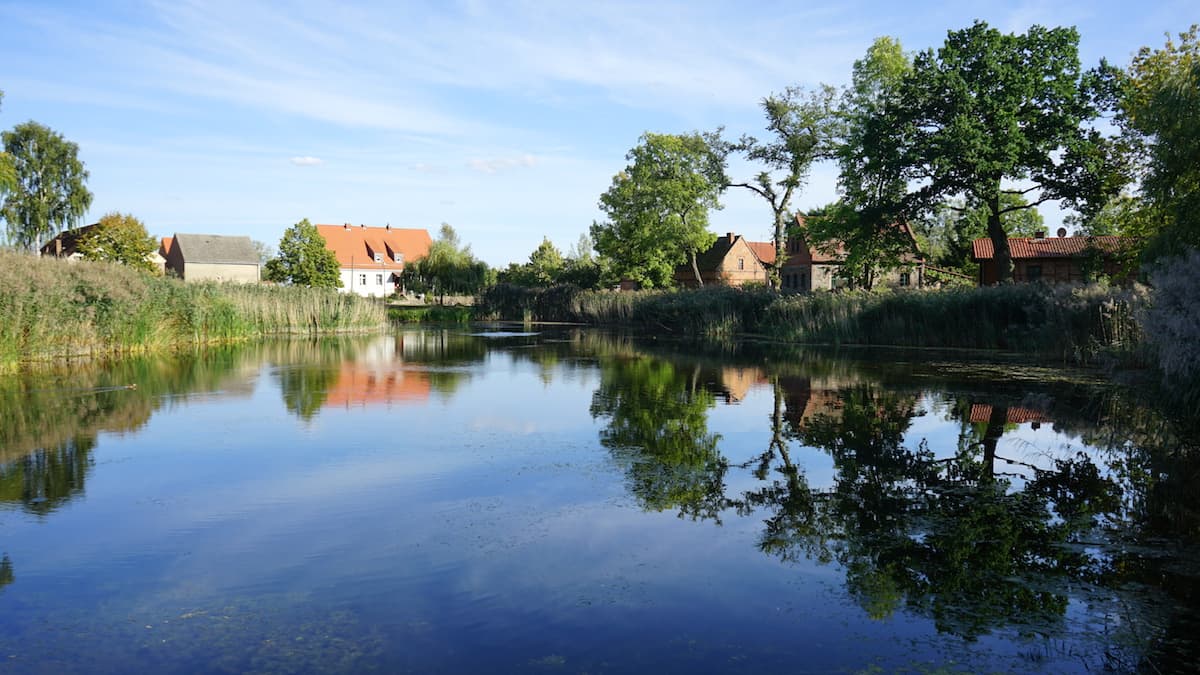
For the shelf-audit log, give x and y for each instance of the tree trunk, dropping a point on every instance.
(696, 270)
(999, 237)
(780, 248)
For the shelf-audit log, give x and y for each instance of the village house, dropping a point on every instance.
(809, 267)
(731, 260)
(1060, 259)
(372, 258)
(211, 257)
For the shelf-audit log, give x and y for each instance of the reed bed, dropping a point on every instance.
(55, 309)
(1073, 323)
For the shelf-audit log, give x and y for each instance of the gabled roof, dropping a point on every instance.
(1024, 248)
(69, 238)
(765, 251)
(711, 259)
(356, 245)
(216, 248)
(164, 248)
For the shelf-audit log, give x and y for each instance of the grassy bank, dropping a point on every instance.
(1062, 322)
(53, 309)
(430, 314)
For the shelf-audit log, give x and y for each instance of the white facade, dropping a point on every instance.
(368, 282)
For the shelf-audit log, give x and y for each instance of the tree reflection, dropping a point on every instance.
(658, 429)
(6, 571)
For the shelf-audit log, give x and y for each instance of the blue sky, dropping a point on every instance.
(505, 119)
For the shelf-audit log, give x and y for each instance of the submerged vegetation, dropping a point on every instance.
(53, 309)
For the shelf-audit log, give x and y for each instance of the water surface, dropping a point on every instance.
(438, 501)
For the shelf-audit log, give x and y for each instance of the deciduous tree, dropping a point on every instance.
(119, 238)
(303, 259)
(990, 114)
(49, 195)
(804, 127)
(658, 207)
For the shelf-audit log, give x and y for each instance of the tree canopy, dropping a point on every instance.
(303, 259)
(658, 207)
(990, 114)
(449, 268)
(119, 238)
(49, 193)
(1161, 111)
(804, 127)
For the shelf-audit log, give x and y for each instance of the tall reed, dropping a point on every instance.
(53, 309)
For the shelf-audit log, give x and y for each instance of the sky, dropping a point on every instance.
(506, 120)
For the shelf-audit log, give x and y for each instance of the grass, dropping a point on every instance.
(431, 314)
(51, 309)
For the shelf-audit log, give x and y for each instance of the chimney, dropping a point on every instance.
(730, 236)
(1062, 232)
(389, 227)
(362, 226)
(1040, 234)
(345, 226)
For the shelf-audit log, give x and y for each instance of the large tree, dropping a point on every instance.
(949, 231)
(804, 127)
(8, 172)
(658, 207)
(49, 195)
(448, 268)
(990, 114)
(303, 259)
(1161, 110)
(119, 238)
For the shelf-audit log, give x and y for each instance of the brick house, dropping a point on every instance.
(810, 268)
(1060, 259)
(732, 261)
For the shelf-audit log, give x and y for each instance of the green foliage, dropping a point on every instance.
(448, 269)
(658, 207)
(804, 127)
(119, 238)
(950, 228)
(870, 249)
(987, 109)
(1172, 324)
(49, 193)
(431, 314)
(1161, 112)
(304, 259)
(52, 308)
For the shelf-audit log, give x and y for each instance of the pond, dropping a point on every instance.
(574, 501)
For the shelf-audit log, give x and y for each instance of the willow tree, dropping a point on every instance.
(658, 207)
(990, 114)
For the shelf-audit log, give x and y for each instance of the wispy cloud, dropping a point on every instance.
(307, 161)
(498, 164)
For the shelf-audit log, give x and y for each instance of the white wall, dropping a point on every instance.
(376, 285)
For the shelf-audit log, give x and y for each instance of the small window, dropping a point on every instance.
(905, 279)
(378, 279)
(1033, 273)
(398, 257)
(362, 279)
(741, 263)
(378, 257)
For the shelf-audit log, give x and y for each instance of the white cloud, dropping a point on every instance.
(307, 161)
(502, 163)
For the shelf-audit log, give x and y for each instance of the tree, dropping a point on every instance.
(804, 127)
(449, 267)
(49, 195)
(990, 114)
(1161, 112)
(8, 171)
(658, 207)
(952, 227)
(870, 246)
(119, 238)
(303, 259)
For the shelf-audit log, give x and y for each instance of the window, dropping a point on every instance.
(1033, 273)
(362, 280)
(905, 279)
(378, 279)
(378, 257)
(741, 263)
(398, 257)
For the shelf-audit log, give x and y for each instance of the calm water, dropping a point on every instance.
(573, 502)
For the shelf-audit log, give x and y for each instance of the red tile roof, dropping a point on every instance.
(165, 249)
(356, 245)
(1049, 247)
(982, 412)
(764, 250)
